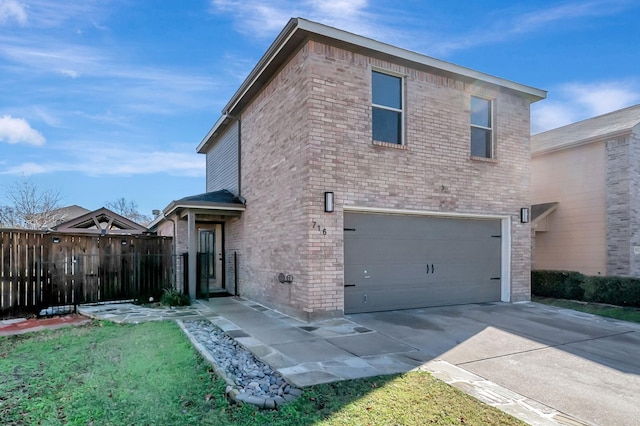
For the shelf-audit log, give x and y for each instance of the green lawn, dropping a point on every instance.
(610, 311)
(106, 374)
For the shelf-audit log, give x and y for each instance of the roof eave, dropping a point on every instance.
(305, 28)
(217, 128)
(580, 142)
(174, 206)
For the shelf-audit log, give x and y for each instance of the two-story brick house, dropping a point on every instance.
(360, 176)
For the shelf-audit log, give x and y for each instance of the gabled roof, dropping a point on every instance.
(299, 30)
(606, 126)
(102, 221)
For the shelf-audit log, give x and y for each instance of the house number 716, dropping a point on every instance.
(319, 228)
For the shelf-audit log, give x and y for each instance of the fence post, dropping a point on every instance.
(185, 273)
(235, 273)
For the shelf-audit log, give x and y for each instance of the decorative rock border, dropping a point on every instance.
(248, 379)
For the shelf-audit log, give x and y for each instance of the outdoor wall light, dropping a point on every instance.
(56, 240)
(123, 242)
(524, 215)
(328, 202)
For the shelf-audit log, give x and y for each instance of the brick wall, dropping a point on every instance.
(623, 205)
(309, 131)
(634, 207)
(272, 233)
(617, 205)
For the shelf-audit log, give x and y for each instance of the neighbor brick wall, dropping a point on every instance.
(623, 204)
(634, 207)
(309, 131)
(617, 205)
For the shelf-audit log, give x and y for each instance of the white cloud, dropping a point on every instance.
(266, 17)
(573, 102)
(108, 159)
(510, 25)
(18, 130)
(68, 73)
(11, 9)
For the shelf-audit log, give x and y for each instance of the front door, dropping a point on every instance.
(210, 258)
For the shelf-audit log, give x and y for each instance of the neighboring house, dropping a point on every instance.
(586, 195)
(65, 214)
(44, 220)
(103, 222)
(347, 175)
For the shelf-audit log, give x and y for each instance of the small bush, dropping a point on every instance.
(172, 297)
(558, 284)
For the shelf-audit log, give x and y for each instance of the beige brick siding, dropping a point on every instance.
(309, 131)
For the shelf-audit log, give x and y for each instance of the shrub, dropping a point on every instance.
(613, 290)
(172, 297)
(619, 291)
(558, 284)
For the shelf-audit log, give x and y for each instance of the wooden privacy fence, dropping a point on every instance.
(41, 269)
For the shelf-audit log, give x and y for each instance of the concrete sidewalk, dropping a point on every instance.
(544, 365)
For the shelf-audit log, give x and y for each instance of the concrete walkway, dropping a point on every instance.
(544, 365)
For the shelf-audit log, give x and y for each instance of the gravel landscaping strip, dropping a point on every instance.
(248, 379)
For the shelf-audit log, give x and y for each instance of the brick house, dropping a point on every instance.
(348, 175)
(586, 195)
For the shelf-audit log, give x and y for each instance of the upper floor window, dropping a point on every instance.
(387, 107)
(481, 128)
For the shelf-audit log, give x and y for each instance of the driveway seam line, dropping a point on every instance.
(546, 347)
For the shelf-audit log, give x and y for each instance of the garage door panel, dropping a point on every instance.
(403, 262)
(418, 296)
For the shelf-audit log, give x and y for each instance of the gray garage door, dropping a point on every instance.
(405, 262)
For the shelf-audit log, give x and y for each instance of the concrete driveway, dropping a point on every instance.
(582, 365)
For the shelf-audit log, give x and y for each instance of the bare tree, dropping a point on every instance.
(128, 209)
(30, 206)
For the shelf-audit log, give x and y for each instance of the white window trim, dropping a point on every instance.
(492, 128)
(403, 102)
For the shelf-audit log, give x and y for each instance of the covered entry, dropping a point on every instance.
(197, 224)
(403, 262)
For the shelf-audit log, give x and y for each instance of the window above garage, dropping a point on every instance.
(482, 143)
(387, 108)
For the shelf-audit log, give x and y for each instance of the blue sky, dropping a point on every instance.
(108, 99)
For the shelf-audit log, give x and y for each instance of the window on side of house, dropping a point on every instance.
(481, 127)
(387, 107)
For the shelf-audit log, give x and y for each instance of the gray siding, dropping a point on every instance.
(222, 162)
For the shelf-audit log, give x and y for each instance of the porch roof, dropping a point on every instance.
(217, 202)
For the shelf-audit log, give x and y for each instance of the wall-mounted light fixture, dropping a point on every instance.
(328, 202)
(56, 240)
(123, 242)
(524, 215)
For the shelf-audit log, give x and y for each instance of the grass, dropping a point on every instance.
(618, 312)
(107, 374)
